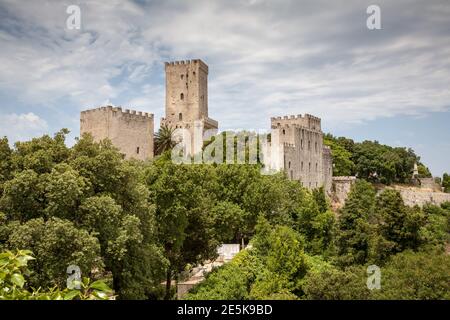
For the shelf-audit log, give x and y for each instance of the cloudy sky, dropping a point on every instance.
(266, 58)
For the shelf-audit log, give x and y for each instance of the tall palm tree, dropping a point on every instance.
(164, 139)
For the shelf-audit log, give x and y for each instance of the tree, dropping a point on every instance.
(352, 239)
(57, 244)
(342, 163)
(14, 286)
(446, 182)
(229, 282)
(398, 226)
(411, 276)
(164, 139)
(332, 283)
(41, 154)
(5, 162)
(281, 250)
(23, 196)
(184, 198)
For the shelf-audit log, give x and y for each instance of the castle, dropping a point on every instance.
(296, 141)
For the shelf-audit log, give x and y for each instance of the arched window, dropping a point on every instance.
(302, 165)
(284, 132)
(316, 166)
(182, 96)
(316, 146)
(182, 76)
(180, 116)
(137, 150)
(310, 167)
(289, 164)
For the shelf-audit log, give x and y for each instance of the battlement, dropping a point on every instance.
(344, 178)
(198, 62)
(110, 108)
(306, 121)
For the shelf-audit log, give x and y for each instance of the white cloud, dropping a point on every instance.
(266, 58)
(20, 127)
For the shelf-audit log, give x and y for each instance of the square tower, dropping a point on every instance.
(187, 98)
(130, 131)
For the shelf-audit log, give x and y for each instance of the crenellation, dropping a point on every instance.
(130, 131)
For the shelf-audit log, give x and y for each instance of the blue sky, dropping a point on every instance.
(266, 58)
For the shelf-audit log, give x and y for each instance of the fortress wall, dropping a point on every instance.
(419, 197)
(130, 131)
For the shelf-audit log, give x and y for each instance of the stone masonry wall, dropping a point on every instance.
(128, 130)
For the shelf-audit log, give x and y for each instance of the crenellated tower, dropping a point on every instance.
(187, 98)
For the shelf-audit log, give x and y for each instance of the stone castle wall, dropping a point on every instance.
(300, 150)
(129, 130)
(414, 196)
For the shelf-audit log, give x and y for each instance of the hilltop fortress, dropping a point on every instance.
(297, 141)
(296, 145)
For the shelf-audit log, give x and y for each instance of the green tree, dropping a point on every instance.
(23, 196)
(14, 286)
(41, 154)
(411, 276)
(332, 283)
(353, 228)
(397, 225)
(6, 166)
(57, 244)
(342, 163)
(184, 198)
(446, 182)
(164, 139)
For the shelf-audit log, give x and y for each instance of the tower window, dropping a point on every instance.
(289, 164)
(309, 145)
(301, 144)
(137, 150)
(182, 96)
(180, 116)
(182, 76)
(316, 146)
(193, 73)
(316, 166)
(302, 165)
(310, 167)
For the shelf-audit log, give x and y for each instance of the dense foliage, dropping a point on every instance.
(406, 243)
(142, 223)
(373, 161)
(14, 286)
(446, 182)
